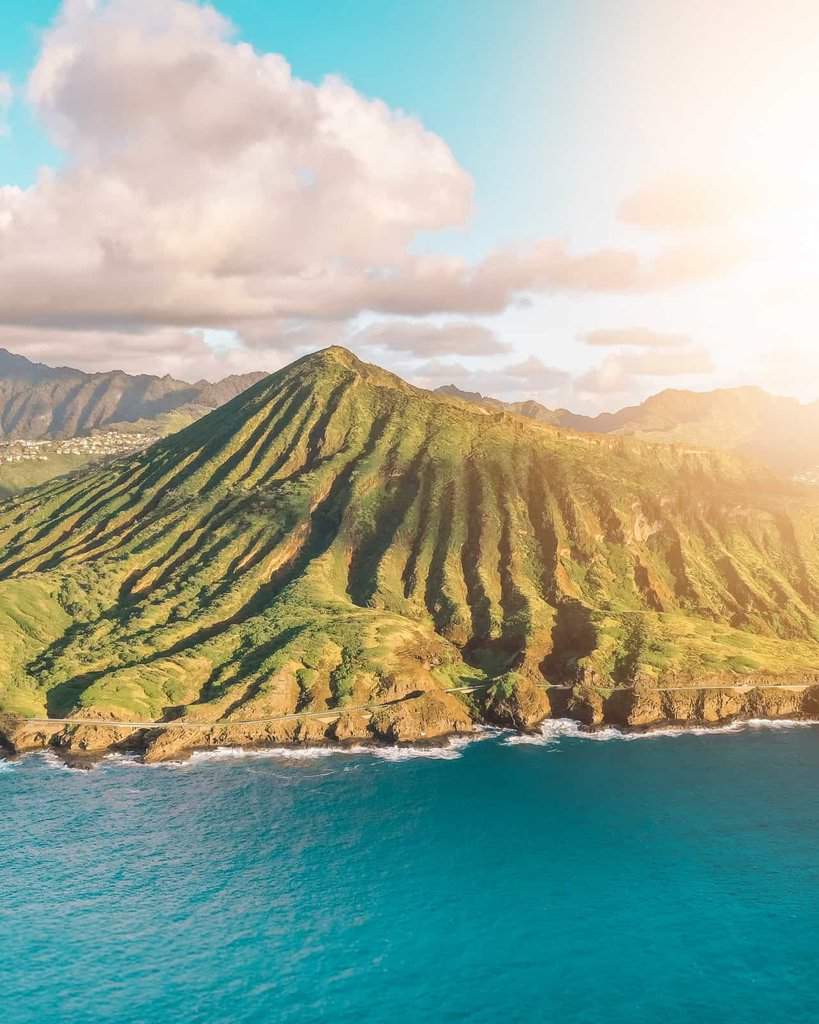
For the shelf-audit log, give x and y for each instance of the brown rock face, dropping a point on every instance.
(169, 744)
(21, 737)
(418, 718)
(810, 702)
(587, 706)
(520, 704)
(642, 706)
(351, 726)
(779, 702)
(635, 707)
(92, 739)
(311, 730)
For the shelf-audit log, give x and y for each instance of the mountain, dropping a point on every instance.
(44, 402)
(334, 542)
(57, 420)
(530, 409)
(781, 432)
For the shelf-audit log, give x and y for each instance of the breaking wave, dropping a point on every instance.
(553, 730)
(449, 749)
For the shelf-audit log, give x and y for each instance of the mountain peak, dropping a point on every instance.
(340, 355)
(332, 355)
(336, 356)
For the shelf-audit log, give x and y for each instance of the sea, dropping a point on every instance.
(667, 878)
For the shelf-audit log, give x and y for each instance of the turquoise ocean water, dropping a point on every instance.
(670, 879)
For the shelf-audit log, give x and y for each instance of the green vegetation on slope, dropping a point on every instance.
(16, 477)
(334, 536)
(780, 432)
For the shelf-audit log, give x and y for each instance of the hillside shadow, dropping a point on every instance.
(574, 636)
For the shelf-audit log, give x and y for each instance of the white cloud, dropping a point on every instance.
(420, 338)
(183, 353)
(682, 202)
(527, 378)
(618, 372)
(203, 182)
(636, 337)
(203, 185)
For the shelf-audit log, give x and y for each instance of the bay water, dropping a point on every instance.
(668, 878)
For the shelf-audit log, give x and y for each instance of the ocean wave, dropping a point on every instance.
(449, 750)
(553, 730)
(121, 760)
(52, 760)
(780, 723)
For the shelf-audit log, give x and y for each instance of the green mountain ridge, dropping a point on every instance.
(334, 538)
(781, 432)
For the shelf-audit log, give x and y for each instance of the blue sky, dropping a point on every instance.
(446, 62)
(559, 113)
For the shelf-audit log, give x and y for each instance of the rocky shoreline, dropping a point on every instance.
(424, 718)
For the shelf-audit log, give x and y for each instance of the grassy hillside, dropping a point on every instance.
(334, 536)
(16, 477)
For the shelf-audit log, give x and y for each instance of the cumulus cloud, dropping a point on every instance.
(618, 371)
(420, 338)
(6, 96)
(680, 202)
(203, 185)
(636, 337)
(440, 284)
(203, 182)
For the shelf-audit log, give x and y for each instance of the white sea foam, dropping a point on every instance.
(122, 760)
(552, 730)
(449, 750)
(780, 723)
(51, 760)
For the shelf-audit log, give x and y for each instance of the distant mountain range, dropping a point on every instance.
(781, 432)
(39, 402)
(335, 553)
(55, 420)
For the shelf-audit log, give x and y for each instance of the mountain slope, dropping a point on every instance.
(44, 402)
(781, 432)
(334, 537)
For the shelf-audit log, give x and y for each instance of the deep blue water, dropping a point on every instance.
(662, 880)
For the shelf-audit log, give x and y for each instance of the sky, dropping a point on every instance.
(578, 201)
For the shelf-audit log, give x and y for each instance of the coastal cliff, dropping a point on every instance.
(519, 705)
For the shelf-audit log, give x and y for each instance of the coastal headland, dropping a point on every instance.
(336, 556)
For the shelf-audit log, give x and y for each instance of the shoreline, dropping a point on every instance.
(520, 704)
(437, 746)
